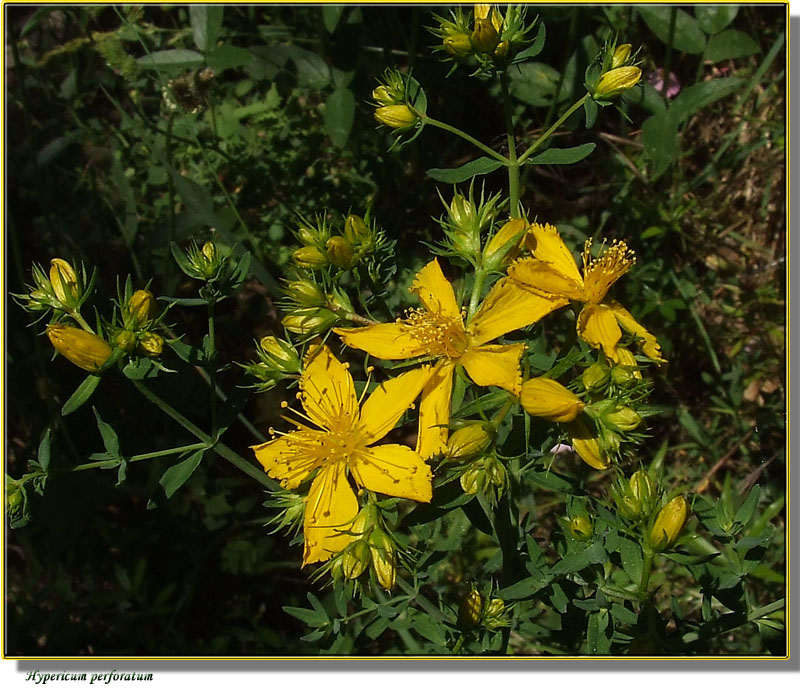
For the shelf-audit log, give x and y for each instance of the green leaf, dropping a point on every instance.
(175, 476)
(524, 589)
(140, 368)
(562, 156)
(424, 625)
(659, 135)
(689, 558)
(535, 83)
(598, 638)
(480, 166)
(698, 96)
(623, 615)
(714, 18)
(110, 438)
(206, 23)
(227, 56)
(590, 109)
(171, 60)
(81, 395)
(730, 44)
(311, 618)
(688, 422)
(632, 562)
(688, 36)
(534, 48)
(340, 109)
(197, 199)
(745, 512)
(312, 71)
(43, 455)
(331, 14)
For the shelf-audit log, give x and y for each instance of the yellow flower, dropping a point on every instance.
(437, 330)
(340, 444)
(85, 350)
(553, 273)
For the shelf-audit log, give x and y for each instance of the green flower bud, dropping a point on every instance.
(125, 340)
(473, 479)
(383, 96)
(340, 252)
(458, 44)
(309, 257)
(309, 321)
(280, 355)
(596, 376)
(64, 282)
(396, 116)
(356, 559)
(623, 419)
(621, 55)
(151, 344)
(470, 610)
(581, 528)
(617, 81)
(469, 440)
(356, 231)
(501, 250)
(623, 376)
(306, 293)
(484, 36)
(383, 559)
(669, 523)
(141, 308)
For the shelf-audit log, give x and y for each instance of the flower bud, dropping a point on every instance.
(621, 55)
(642, 486)
(623, 376)
(356, 231)
(500, 52)
(356, 559)
(125, 340)
(309, 320)
(309, 257)
(280, 354)
(617, 81)
(470, 609)
(501, 249)
(151, 344)
(305, 293)
(469, 440)
(340, 252)
(64, 282)
(496, 608)
(85, 350)
(596, 376)
(382, 95)
(546, 398)
(473, 479)
(141, 308)
(307, 235)
(210, 252)
(580, 528)
(383, 559)
(396, 116)
(586, 445)
(15, 495)
(458, 44)
(484, 36)
(669, 523)
(623, 419)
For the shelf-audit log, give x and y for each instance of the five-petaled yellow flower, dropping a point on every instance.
(437, 330)
(553, 273)
(335, 440)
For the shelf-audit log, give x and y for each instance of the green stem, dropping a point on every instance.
(544, 137)
(219, 448)
(647, 567)
(513, 164)
(75, 314)
(211, 363)
(477, 289)
(459, 644)
(426, 119)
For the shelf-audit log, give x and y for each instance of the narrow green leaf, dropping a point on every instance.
(590, 109)
(109, 436)
(534, 48)
(206, 23)
(309, 617)
(748, 507)
(730, 44)
(81, 395)
(340, 109)
(568, 156)
(173, 60)
(176, 476)
(43, 456)
(480, 166)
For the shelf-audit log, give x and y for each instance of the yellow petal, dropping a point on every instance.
(435, 291)
(327, 391)
(625, 358)
(546, 398)
(387, 403)
(284, 459)
(598, 327)
(393, 470)
(494, 365)
(586, 445)
(546, 245)
(507, 307)
(434, 410)
(383, 340)
(331, 507)
(545, 279)
(650, 347)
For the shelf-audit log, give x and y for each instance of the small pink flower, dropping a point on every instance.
(656, 80)
(561, 448)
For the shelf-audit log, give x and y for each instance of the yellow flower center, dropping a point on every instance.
(601, 273)
(439, 334)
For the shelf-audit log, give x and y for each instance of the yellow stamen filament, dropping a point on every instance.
(439, 334)
(600, 273)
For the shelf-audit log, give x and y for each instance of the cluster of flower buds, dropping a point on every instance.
(277, 360)
(217, 268)
(372, 546)
(481, 471)
(63, 289)
(466, 219)
(475, 609)
(492, 38)
(636, 497)
(139, 317)
(485, 475)
(323, 248)
(614, 73)
(393, 102)
(601, 379)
